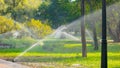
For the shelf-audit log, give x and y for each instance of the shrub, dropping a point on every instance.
(19, 43)
(38, 29)
(5, 24)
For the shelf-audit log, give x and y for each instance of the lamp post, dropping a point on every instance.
(104, 33)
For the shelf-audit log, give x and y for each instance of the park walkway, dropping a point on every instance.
(8, 64)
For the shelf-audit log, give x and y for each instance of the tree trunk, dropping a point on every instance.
(118, 33)
(93, 29)
(14, 14)
(83, 39)
(95, 38)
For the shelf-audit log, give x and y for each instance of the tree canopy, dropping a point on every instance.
(53, 12)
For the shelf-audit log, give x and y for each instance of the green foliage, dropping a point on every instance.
(19, 43)
(38, 29)
(59, 12)
(35, 26)
(5, 24)
(17, 8)
(2, 6)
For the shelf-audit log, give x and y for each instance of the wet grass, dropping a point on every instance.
(65, 53)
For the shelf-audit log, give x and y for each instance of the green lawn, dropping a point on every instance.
(65, 53)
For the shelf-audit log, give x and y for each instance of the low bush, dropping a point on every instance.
(38, 29)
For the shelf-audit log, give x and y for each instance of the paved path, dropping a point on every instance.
(8, 64)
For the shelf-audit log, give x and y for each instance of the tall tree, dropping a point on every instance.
(83, 39)
(17, 9)
(59, 12)
(93, 29)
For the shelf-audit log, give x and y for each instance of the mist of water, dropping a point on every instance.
(89, 34)
(15, 34)
(74, 27)
(40, 42)
(58, 31)
(69, 36)
(27, 30)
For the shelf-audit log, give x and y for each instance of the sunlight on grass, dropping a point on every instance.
(74, 45)
(63, 53)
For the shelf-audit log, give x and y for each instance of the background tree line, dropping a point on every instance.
(55, 12)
